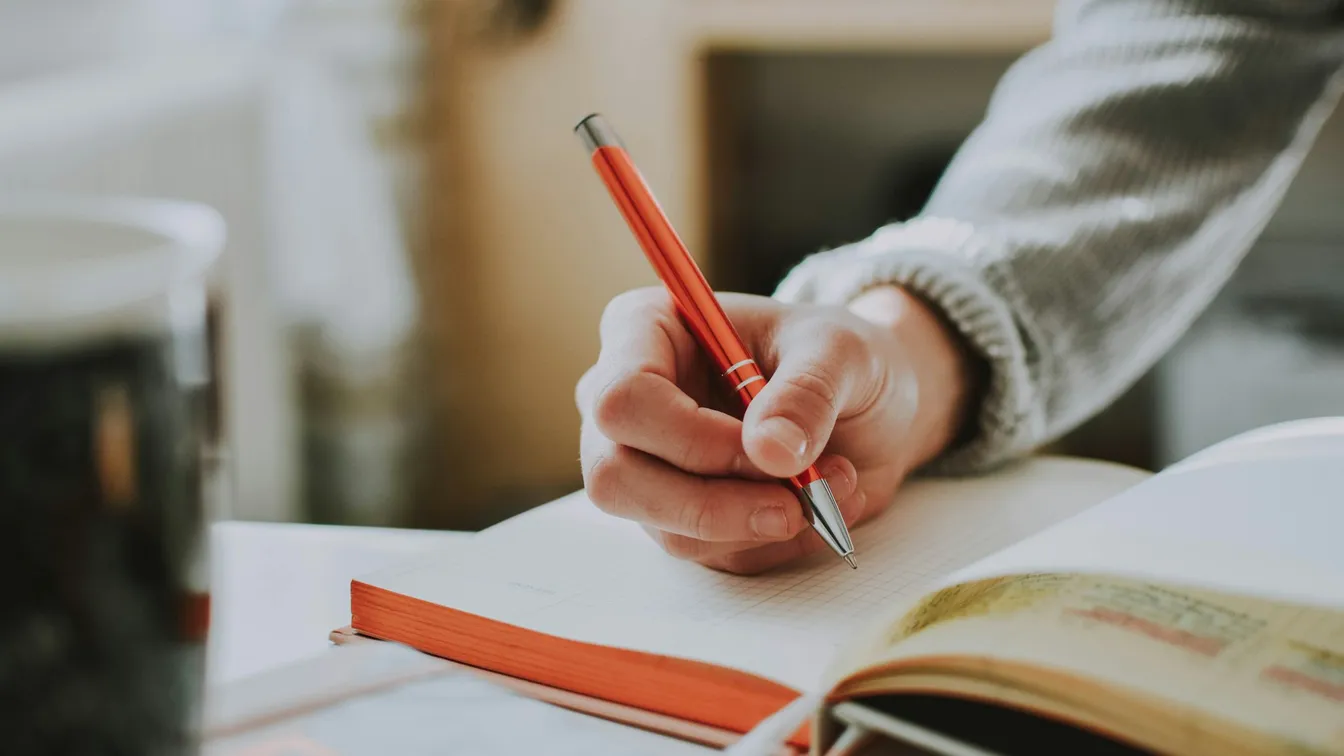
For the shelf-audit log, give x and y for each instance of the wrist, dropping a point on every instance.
(948, 376)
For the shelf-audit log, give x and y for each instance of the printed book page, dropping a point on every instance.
(569, 570)
(1261, 515)
(1271, 667)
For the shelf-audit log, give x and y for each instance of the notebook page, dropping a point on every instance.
(1261, 514)
(568, 570)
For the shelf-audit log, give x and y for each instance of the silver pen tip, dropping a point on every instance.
(853, 564)
(820, 506)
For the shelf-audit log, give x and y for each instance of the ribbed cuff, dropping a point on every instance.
(945, 264)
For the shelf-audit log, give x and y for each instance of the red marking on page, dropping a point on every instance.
(1200, 644)
(1295, 679)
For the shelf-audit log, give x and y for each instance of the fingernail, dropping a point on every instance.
(787, 434)
(834, 473)
(770, 522)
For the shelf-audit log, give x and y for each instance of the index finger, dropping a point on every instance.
(634, 399)
(634, 339)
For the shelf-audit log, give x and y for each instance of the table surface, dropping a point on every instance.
(279, 589)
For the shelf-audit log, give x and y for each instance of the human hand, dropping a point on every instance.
(880, 386)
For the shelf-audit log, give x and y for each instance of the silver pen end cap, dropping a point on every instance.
(595, 132)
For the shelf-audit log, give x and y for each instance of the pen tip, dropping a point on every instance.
(853, 564)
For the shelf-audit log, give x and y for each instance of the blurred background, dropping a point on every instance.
(419, 252)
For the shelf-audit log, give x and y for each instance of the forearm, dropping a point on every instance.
(1122, 172)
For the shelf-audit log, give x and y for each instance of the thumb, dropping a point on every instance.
(820, 374)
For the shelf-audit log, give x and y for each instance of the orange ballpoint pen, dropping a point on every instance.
(700, 309)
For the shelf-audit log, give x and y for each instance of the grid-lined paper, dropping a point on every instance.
(571, 571)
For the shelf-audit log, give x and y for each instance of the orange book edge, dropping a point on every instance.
(644, 687)
(595, 707)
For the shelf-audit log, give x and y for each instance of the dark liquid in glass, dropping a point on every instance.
(101, 520)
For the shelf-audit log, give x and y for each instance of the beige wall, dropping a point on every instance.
(525, 246)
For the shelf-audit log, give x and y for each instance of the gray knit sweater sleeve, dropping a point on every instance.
(1121, 172)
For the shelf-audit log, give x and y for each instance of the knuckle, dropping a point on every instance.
(679, 547)
(604, 479)
(848, 346)
(630, 303)
(738, 563)
(615, 401)
(815, 386)
(702, 519)
(694, 453)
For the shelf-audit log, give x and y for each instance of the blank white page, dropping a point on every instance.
(1260, 514)
(569, 570)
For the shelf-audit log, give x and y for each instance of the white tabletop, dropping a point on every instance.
(278, 590)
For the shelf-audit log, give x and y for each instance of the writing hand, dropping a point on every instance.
(880, 386)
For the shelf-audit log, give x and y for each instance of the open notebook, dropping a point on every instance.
(567, 597)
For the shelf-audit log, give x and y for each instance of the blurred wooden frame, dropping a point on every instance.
(524, 250)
